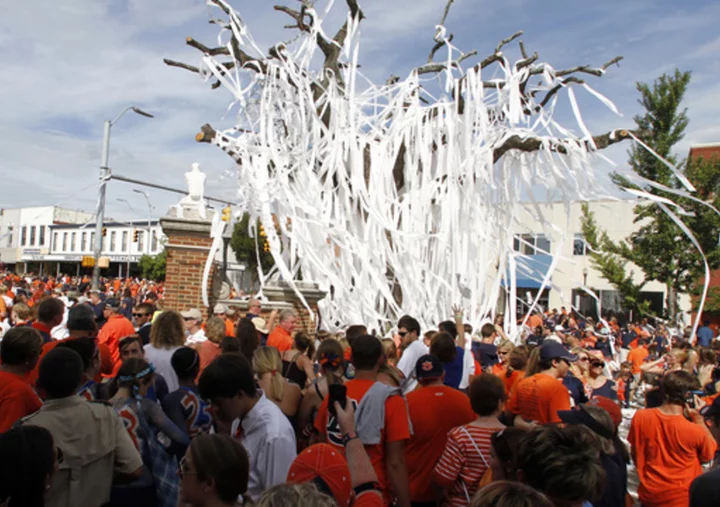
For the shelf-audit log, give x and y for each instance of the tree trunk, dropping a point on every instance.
(672, 303)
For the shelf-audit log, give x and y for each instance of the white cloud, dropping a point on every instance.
(68, 66)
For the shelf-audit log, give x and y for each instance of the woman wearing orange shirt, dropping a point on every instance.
(517, 361)
(503, 350)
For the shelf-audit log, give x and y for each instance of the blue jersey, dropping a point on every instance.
(189, 413)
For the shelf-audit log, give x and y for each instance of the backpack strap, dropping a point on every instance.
(485, 461)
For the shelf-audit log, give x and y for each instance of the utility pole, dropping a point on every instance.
(104, 178)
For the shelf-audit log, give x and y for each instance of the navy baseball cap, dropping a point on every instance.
(551, 349)
(579, 416)
(429, 367)
(711, 410)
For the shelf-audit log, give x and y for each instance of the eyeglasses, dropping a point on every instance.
(183, 468)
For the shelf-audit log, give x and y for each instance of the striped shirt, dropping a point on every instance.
(461, 465)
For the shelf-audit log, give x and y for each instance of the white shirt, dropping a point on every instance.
(197, 337)
(468, 369)
(269, 440)
(160, 358)
(409, 360)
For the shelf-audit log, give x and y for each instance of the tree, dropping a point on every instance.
(411, 183)
(152, 267)
(247, 249)
(659, 247)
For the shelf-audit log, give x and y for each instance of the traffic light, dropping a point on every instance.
(226, 214)
(262, 231)
(104, 231)
(135, 235)
(266, 246)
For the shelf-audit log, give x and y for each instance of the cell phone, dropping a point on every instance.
(690, 398)
(338, 392)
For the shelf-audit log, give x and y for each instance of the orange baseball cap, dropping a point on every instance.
(325, 467)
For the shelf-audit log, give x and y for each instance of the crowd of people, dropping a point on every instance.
(108, 398)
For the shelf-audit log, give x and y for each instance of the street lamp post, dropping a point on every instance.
(104, 176)
(150, 208)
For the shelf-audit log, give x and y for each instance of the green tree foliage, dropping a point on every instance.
(153, 266)
(659, 247)
(244, 247)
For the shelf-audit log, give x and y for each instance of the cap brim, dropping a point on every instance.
(569, 357)
(569, 416)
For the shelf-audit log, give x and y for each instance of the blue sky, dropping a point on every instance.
(69, 65)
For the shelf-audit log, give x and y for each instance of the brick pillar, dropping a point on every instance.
(188, 246)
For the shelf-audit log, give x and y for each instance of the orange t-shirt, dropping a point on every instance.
(534, 321)
(498, 370)
(280, 339)
(668, 451)
(637, 358)
(106, 364)
(434, 411)
(539, 398)
(396, 427)
(511, 381)
(208, 352)
(229, 328)
(116, 328)
(17, 399)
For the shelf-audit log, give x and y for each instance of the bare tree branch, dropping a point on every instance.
(530, 144)
(222, 50)
(507, 41)
(429, 68)
(589, 70)
(558, 87)
(173, 63)
(522, 50)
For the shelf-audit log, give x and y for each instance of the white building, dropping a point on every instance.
(574, 269)
(123, 245)
(28, 229)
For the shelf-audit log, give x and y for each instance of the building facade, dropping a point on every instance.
(48, 240)
(574, 271)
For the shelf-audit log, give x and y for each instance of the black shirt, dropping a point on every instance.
(705, 490)
(485, 354)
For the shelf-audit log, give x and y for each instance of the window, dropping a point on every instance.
(154, 241)
(579, 245)
(73, 237)
(23, 236)
(41, 235)
(84, 247)
(532, 244)
(55, 241)
(92, 242)
(32, 235)
(10, 236)
(113, 237)
(124, 245)
(65, 245)
(141, 237)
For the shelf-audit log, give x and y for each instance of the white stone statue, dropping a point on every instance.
(193, 204)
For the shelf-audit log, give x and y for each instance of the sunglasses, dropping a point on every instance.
(402, 334)
(140, 314)
(597, 364)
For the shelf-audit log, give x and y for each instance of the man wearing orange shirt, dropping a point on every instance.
(281, 337)
(387, 457)
(434, 409)
(670, 443)
(50, 313)
(116, 328)
(637, 357)
(538, 398)
(19, 353)
(221, 311)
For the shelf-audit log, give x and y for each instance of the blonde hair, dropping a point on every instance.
(22, 311)
(506, 343)
(215, 329)
(391, 372)
(168, 330)
(295, 495)
(390, 350)
(267, 360)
